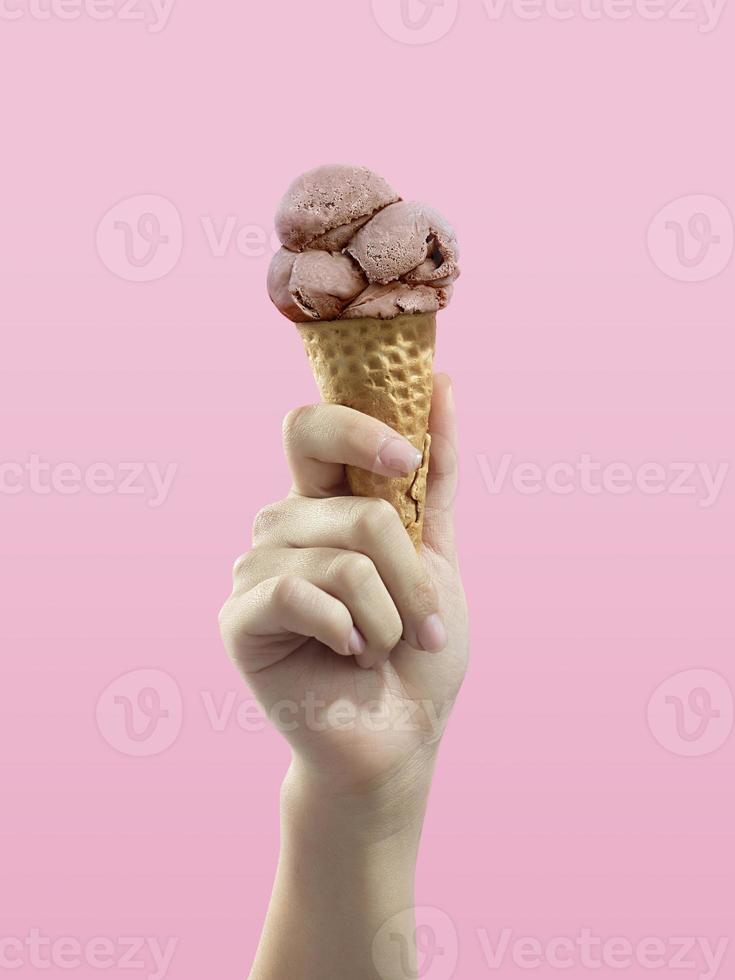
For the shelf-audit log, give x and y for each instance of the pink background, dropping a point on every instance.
(551, 145)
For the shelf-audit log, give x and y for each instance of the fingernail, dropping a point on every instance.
(399, 456)
(356, 643)
(432, 634)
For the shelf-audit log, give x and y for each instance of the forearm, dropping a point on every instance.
(346, 867)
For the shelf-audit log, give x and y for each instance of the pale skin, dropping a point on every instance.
(356, 647)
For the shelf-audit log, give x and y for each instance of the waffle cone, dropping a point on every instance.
(384, 368)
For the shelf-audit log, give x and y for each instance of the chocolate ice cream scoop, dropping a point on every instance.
(313, 285)
(353, 249)
(323, 208)
(408, 241)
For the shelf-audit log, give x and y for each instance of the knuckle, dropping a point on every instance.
(286, 591)
(360, 431)
(223, 617)
(266, 521)
(352, 570)
(422, 595)
(239, 569)
(376, 518)
(293, 424)
(242, 567)
(230, 629)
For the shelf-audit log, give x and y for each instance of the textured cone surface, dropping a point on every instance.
(384, 368)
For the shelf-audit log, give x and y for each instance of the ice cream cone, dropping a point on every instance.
(362, 274)
(385, 369)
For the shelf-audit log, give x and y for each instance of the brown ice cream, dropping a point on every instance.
(326, 199)
(353, 249)
(313, 285)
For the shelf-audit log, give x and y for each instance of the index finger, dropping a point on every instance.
(320, 440)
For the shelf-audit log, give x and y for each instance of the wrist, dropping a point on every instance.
(390, 806)
(346, 868)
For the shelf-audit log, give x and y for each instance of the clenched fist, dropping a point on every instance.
(354, 644)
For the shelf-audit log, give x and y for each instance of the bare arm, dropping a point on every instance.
(361, 644)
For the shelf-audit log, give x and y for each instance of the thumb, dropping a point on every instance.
(442, 483)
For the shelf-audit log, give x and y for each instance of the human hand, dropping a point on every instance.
(354, 644)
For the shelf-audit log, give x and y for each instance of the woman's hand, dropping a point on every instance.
(355, 645)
